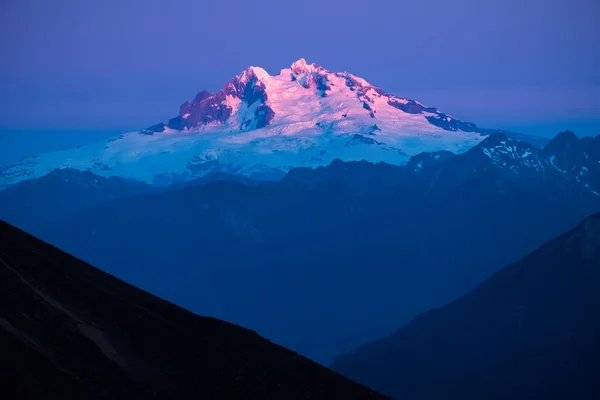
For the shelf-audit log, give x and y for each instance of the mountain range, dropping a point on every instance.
(70, 331)
(322, 213)
(262, 126)
(305, 259)
(530, 331)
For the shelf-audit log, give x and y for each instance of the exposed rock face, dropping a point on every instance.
(68, 330)
(151, 130)
(207, 108)
(310, 75)
(450, 124)
(411, 107)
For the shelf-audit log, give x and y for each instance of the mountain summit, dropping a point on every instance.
(307, 98)
(261, 126)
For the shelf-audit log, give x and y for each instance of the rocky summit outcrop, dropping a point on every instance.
(207, 108)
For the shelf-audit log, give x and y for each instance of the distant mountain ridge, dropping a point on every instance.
(574, 157)
(566, 156)
(262, 126)
(574, 160)
(33, 203)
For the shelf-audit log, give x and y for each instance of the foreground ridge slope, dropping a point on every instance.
(68, 330)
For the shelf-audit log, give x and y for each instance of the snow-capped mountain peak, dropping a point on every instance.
(307, 97)
(262, 125)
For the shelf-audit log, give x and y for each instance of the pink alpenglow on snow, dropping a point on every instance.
(263, 125)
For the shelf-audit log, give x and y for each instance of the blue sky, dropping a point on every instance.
(527, 65)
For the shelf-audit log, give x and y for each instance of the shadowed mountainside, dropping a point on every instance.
(68, 330)
(531, 331)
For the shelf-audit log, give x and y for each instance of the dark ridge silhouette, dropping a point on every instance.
(531, 331)
(68, 330)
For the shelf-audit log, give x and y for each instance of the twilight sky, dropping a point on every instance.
(527, 65)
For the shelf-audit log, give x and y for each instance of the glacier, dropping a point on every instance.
(262, 126)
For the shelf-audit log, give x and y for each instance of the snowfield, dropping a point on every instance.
(261, 126)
